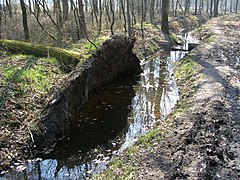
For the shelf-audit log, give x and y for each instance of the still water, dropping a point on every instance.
(110, 122)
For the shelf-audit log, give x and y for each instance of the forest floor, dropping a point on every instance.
(201, 137)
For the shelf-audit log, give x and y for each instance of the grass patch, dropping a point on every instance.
(27, 79)
(185, 69)
(145, 139)
(98, 42)
(175, 39)
(117, 170)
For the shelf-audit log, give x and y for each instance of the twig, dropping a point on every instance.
(31, 135)
(92, 43)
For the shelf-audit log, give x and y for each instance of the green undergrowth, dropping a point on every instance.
(185, 69)
(25, 82)
(86, 48)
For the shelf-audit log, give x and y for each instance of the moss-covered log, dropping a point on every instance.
(67, 59)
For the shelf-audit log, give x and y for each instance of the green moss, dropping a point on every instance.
(29, 74)
(98, 42)
(175, 26)
(145, 139)
(175, 39)
(66, 58)
(118, 170)
(185, 69)
(212, 38)
(151, 46)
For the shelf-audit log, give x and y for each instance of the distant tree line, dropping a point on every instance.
(61, 20)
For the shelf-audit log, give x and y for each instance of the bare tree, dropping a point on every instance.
(124, 15)
(187, 6)
(100, 16)
(211, 8)
(24, 20)
(216, 2)
(196, 7)
(1, 14)
(65, 9)
(152, 3)
(82, 22)
(113, 17)
(9, 8)
(129, 19)
(236, 7)
(164, 24)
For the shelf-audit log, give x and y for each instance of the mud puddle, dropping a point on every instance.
(110, 122)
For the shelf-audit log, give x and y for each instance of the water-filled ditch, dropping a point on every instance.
(110, 122)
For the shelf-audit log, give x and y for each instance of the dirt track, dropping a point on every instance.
(204, 140)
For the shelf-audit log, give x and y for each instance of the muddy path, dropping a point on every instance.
(201, 138)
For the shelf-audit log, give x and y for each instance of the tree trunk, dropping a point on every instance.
(1, 13)
(216, 2)
(124, 15)
(129, 19)
(82, 22)
(211, 8)
(9, 8)
(30, 5)
(59, 14)
(152, 3)
(86, 6)
(65, 9)
(134, 21)
(236, 8)
(207, 7)
(196, 7)
(145, 10)
(113, 18)
(95, 10)
(164, 24)
(187, 6)
(100, 17)
(225, 10)
(24, 20)
(142, 21)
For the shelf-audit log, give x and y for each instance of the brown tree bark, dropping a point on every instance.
(113, 17)
(129, 19)
(152, 3)
(24, 20)
(236, 7)
(65, 8)
(1, 14)
(196, 7)
(216, 2)
(83, 27)
(164, 24)
(9, 8)
(124, 15)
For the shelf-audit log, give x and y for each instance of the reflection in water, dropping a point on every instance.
(110, 122)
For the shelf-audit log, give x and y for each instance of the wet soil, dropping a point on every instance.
(203, 141)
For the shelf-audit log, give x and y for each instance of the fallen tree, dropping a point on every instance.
(114, 59)
(67, 59)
